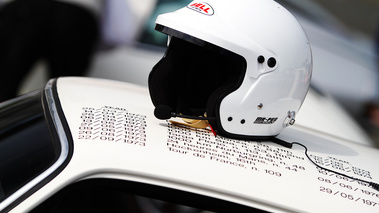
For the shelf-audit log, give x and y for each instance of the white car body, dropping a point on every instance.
(108, 131)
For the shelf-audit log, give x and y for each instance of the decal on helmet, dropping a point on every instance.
(264, 120)
(201, 7)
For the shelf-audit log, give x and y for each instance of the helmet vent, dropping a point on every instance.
(261, 59)
(271, 62)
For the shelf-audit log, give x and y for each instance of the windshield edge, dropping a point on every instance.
(53, 113)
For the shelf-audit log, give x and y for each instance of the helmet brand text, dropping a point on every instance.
(202, 8)
(264, 120)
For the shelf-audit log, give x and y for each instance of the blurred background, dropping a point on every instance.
(122, 45)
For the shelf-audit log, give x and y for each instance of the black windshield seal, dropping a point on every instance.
(122, 194)
(51, 116)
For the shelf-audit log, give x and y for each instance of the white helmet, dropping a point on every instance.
(245, 63)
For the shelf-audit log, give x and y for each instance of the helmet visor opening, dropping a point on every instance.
(187, 77)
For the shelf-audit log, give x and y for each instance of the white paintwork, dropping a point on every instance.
(154, 163)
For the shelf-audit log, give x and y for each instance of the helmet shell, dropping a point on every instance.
(277, 54)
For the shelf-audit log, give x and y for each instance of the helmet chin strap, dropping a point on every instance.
(165, 112)
(197, 124)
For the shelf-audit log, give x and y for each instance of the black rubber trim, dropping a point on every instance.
(55, 137)
(192, 39)
(75, 191)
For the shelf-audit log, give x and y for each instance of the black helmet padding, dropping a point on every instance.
(187, 76)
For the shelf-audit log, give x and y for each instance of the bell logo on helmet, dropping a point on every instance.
(202, 8)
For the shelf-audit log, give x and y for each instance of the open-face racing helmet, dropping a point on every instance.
(246, 64)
